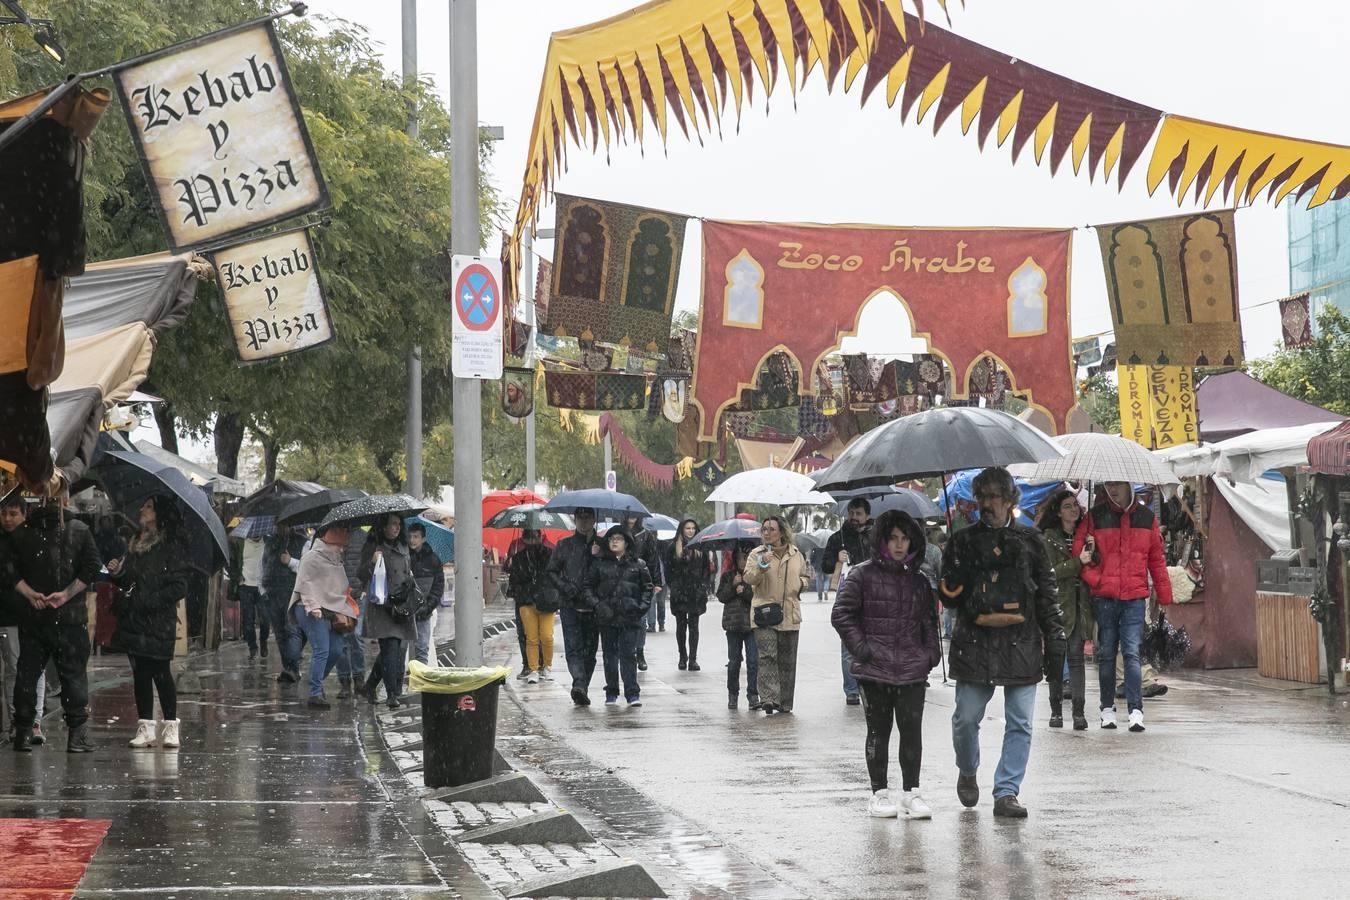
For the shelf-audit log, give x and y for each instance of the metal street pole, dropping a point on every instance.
(527, 285)
(468, 415)
(413, 440)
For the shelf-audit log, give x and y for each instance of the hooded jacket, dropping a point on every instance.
(1074, 600)
(48, 557)
(886, 616)
(154, 577)
(689, 578)
(528, 568)
(619, 589)
(736, 600)
(1012, 655)
(1129, 550)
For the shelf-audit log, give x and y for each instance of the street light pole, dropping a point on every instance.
(468, 414)
(413, 437)
(527, 282)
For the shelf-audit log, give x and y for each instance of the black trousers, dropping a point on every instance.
(686, 632)
(147, 675)
(388, 668)
(68, 645)
(255, 617)
(903, 705)
(1077, 680)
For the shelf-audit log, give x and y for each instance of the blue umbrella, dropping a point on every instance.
(960, 488)
(440, 538)
(607, 504)
(724, 535)
(255, 527)
(906, 500)
(658, 522)
(131, 485)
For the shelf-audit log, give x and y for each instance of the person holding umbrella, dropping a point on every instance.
(886, 616)
(996, 576)
(321, 595)
(737, 597)
(389, 622)
(567, 570)
(619, 590)
(690, 575)
(151, 579)
(778, 573)
(1058, 521)
(535, 602)
(851, 545)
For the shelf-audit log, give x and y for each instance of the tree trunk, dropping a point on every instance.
(271, 451)
(167, 422)
(229, 437)
(386, 460)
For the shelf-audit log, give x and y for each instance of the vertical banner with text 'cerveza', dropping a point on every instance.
(1157, 406)
(221, 137)
(272, 295)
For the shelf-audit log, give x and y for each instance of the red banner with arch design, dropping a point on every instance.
(969, 292)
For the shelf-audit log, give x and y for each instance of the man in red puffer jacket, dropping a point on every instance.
(1126, 547)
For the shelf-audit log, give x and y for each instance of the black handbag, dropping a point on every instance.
(404, 601)
(768, 615)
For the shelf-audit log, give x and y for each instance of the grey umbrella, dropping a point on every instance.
(310, 509)
(141, 477)
(937, 441)
(364, 510)
(906, 500)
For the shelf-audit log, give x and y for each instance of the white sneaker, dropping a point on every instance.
(545, 674)
(168, 733)
(532, 678)
(145, 734)
(881, 806)
(1136, 720)
(1109, 718)
(915, 806)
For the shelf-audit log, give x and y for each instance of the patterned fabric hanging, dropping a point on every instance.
(710, 473)
(932, 375)
(520, 338)
(586, 390)
(987, 382)
(671, 397)
(517, 392)
(1296, 321)
(811, 422)
(776, 386)
(869, 381)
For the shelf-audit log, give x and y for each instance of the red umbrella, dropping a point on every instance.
(499, 540)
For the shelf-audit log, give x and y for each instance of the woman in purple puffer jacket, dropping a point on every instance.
(887, 617)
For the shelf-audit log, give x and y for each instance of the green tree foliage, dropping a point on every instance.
(1100, 397)
(382, 259)
(1318, 374)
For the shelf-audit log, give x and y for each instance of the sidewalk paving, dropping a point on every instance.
(266, 798)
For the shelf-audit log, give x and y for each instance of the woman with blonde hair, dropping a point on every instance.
(778, 573)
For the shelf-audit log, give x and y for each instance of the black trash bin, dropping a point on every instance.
(459, 732)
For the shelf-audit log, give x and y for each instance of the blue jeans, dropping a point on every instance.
(846, 660)
(1120, 623)
(656, 613)
(822, 584)
(738, 642)
(620, 643)
(581, 639)
(351, 664)
(1019, 705)
(286, 632)
(422, 650)
(948, 620)
(323, 655)
(254, 616)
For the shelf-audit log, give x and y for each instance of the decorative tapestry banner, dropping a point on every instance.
(1296, 321)
(272, 295)
(614, 272)
(1173, 290)
(221, 137)
(1157, 405)
(801, 288)
(587, 390)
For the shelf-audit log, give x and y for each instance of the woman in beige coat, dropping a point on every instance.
(778, 573)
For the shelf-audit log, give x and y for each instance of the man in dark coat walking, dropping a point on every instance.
(645, 548)
(996, 576)
(430, 576)
(851, 545)
(567, 571)
(55, 560)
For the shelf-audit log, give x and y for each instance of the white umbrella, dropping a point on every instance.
(1098, 457)
(776, 487)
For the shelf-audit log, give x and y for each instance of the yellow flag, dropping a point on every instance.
(1135, 407)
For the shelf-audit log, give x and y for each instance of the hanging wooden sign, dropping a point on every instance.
(221, 137)
(272, 295)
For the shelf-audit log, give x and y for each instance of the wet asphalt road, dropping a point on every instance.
(266, 798)
(1232, 791)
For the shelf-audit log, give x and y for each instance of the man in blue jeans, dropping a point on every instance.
(1122, 535)
(996, 577)
(849, 546)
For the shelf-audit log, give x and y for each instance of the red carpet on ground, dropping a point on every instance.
(44, 859)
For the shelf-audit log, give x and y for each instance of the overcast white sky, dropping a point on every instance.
(1251, 63)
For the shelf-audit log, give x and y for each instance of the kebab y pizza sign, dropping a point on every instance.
(476, 327)
(221, 137)
(272, 295)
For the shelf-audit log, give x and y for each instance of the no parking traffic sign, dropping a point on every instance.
(476, 333)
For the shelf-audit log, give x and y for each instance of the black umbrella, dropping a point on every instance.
(1165, 646)
(311, 508)
(936, 441)
(727, 534)
(906, 500)
(607, 504)
(132, 484)
(365, 510)
(273, 497)
(530, 516)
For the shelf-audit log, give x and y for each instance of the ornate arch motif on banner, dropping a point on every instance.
(954, 283)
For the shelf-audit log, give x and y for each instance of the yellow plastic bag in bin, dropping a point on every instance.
(452, 680)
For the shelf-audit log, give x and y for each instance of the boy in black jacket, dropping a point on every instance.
(619, 588)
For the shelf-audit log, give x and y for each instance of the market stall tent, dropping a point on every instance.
(1235, 403)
